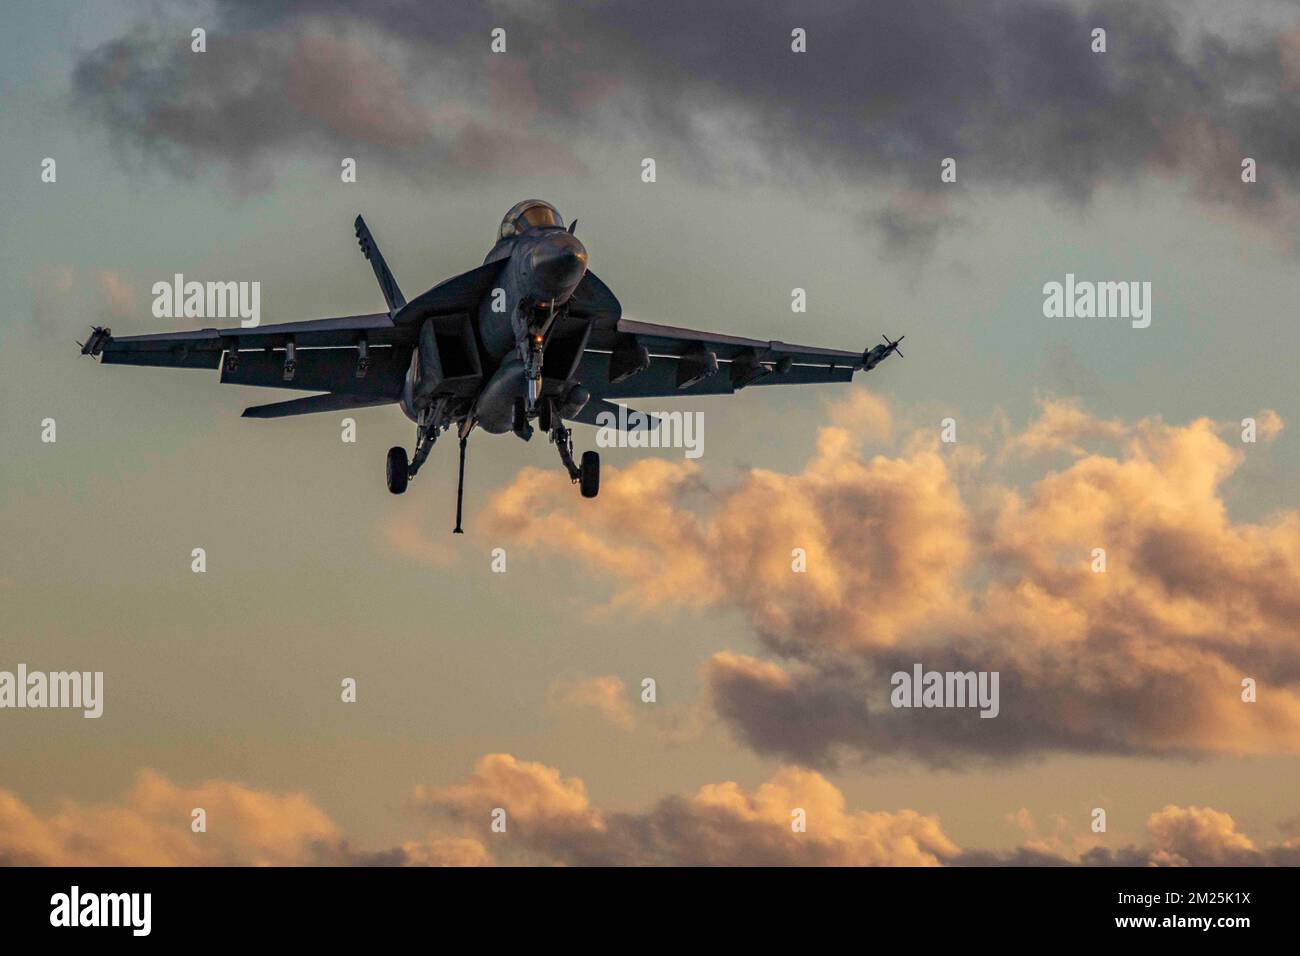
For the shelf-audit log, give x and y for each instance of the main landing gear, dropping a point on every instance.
(586, 475)
(589, 474)
(400, 471)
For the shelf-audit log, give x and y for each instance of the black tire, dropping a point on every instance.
(545, 411)
(590, 480)
(397, 470)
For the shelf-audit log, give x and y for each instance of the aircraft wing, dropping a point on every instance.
(631, 359)
(202, 348)
(327, 355)
(670, 340)
(356, 360)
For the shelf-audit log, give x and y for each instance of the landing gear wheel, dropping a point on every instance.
(590, 480)
(544, 414)
(397, 469)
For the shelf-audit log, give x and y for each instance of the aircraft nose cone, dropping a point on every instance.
(557, 263)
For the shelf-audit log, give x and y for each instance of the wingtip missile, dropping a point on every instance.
(878, 353)
(94, 344)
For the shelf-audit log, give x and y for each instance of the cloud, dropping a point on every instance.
(1062, 425)
(551, 821)
(151, 827)
(864, 413)
(259, 95)
(1063, 373)
(445, 851)
(911, 222)
(66, 303)
(1195, 836)
(550, 818)
(1269, 425)
(1200, 834)
(605, 697)
(405, 531)
(53, 288)
(1011, 90)
(530, 792)
(523, 511)
(251, 93)
(911, 558)
(117, 296)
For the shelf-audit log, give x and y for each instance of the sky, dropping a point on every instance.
(775, 170)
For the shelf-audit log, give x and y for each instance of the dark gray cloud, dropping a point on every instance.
(251, 97)
(1011, 90)
(830, 711)
(1064, 373)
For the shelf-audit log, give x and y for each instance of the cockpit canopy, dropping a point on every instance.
(527, 215)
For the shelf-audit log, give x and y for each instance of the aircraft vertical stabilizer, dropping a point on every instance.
(392, 294)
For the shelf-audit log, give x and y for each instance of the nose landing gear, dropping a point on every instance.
(519, 423)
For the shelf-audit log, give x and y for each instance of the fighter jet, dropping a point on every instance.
(532, 335)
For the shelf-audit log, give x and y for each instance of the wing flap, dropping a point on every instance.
(324, 370)
(172, 357)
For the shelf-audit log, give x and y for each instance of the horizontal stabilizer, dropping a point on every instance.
(601, 413)
(332, 402)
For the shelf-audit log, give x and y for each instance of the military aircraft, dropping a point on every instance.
(530, 335)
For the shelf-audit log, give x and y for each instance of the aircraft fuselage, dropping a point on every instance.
(541, 266)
